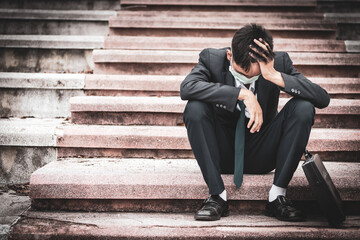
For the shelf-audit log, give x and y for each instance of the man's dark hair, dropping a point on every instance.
(243, 38)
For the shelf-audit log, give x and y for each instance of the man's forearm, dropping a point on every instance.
(276, 78)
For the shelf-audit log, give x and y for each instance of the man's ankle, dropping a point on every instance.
(223, 195)
(276, 191)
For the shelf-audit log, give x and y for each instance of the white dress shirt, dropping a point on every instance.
(251, 88)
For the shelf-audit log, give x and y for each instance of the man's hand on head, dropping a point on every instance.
(264, 55)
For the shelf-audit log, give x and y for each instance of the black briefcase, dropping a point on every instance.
(323, 189)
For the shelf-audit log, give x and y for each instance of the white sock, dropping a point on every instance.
(276, 191)
(223, 195)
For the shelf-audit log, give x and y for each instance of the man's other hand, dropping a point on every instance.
(264, 55)
(253, 106)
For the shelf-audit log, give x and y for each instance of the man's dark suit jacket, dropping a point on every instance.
(210, 81)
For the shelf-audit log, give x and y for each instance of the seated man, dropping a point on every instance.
(233, 124)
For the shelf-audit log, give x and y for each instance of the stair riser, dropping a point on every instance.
(199, 44)
(62, 4)
(45, 60)
(216, 33)
(343, 156)
(170, 205)
(224, 15)
(338, 6)
(117, 93)
(53, 27)
(184, 69)
(176, 119)
(25, 102)
(18, 162)
(347, 31)
(192, 186)
(270, 9)
(124, 153)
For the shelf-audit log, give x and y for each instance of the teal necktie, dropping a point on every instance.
(239, 146)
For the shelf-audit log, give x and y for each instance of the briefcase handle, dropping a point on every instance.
(308, 155)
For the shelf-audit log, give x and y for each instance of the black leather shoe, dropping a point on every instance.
(283, 209)
(213, 209)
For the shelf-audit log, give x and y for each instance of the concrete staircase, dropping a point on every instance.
(125, 168)
(45, 51)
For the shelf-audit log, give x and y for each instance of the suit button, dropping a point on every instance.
(298, 92)
(217, 105)
(224, 107)
(221, 105)
(292, 90)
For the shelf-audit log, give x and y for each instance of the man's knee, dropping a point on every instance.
(196, 111)
(303, 110)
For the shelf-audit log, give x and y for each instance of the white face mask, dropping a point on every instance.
(242, 78)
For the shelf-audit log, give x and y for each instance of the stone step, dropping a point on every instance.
(169, 85)
(277, 3)
(61, 15)
(62, 4)
(218, 22)
(341, 113)
(48, 53)
(54, 22)
(172, 142)
(165, 179)
(51, 41)
(23, 93)
(37, 60)
(197, 43)
(115, 225)
(338, 6)
(197, 6)
(217, 27)
(26, 145)
(181, 62)
(348, 23)
(353, 18)
(227, 14)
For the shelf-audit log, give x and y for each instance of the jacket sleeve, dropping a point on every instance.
(198, 85)
(299, 86)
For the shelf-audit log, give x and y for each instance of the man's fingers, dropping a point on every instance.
(260, 122)
(269, 52)
(258, 57)
(261, 52)
(255, 125)
(260, 44)
(264, 42)
(252, 117)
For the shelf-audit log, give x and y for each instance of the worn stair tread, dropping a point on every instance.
(74, 178)
(63, 225)
(217, 14)
(175, 137)
(30, 132)
(172, 83)
(191, 57)
(343, 17)
(51, 41)
(42, 80)
(306, 3)
(61, 15)
(199, 43)
(201, 23)
(208, 21)
(176, 105)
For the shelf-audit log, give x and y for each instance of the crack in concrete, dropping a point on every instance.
(25, 217)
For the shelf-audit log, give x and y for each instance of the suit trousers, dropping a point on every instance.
(279, 145)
